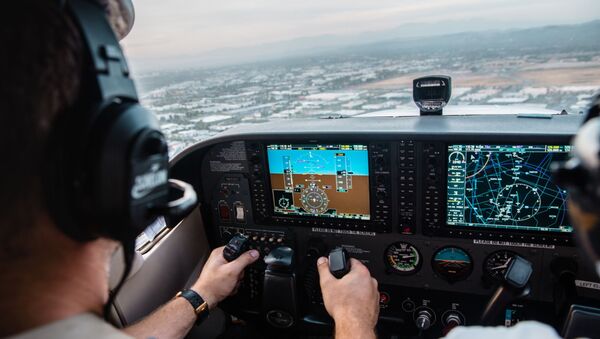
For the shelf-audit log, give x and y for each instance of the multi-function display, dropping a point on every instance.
(506, 187)
(320, 180)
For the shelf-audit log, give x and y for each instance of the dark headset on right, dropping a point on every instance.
(107, 161)
(581, 177)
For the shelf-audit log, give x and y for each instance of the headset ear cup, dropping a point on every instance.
(106, 144)
(586, 222)
(127, 155)
(150, 178)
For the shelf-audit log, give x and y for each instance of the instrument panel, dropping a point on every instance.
(436, 212)
(465, 190)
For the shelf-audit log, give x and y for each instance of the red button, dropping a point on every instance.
(384, 298)
(224, 212)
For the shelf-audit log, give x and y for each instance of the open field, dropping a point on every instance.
(571, 75)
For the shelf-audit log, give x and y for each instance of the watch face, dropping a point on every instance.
(194, 299)
(200, 306)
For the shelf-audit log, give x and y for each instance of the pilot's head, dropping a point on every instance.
(581, 176)
(41, 62)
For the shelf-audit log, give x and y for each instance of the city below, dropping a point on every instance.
(375, 80)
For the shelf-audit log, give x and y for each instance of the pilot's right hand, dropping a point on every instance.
(352, 301)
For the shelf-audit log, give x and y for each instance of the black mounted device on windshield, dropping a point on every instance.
(431, 93)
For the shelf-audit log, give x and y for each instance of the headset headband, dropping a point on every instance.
(111, 72)
(120, 14)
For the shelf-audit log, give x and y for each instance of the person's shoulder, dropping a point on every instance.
(78, 326)
(524, 329)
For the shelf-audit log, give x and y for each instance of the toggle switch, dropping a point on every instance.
(240, 215)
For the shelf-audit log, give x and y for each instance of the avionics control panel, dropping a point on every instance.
(502, 192)
(486, 191)
(436, 212)
(506, 187)
(340, 186)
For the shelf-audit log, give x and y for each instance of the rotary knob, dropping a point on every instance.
(424, 320)
(453, 319)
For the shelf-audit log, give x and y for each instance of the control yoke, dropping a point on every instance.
(339, 262)
(515, 285)
(236, 246)
(279, 304)
(280, 300)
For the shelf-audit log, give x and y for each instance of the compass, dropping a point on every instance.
(314, 199)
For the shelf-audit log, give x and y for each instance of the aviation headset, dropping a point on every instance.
(581, 176)
(107, 160)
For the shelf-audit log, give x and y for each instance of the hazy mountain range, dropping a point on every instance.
(407, 40)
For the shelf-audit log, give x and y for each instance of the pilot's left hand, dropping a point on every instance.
(219, 278)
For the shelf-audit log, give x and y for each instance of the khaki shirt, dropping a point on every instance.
(523, 330)
(85, 325)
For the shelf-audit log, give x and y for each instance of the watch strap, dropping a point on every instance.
(198, 303)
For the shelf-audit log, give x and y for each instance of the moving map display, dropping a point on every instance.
(320, 180)
(506, 187)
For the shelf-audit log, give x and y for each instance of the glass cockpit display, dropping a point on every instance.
(506, 187)
(320, 180)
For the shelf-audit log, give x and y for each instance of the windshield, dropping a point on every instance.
(206, 66)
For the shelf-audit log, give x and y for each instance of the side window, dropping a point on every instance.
(151, 235)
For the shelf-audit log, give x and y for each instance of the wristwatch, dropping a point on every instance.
(200, 306)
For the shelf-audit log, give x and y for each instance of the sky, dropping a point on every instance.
(166, 30)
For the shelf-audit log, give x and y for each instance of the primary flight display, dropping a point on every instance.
(320, 180)
(506, 187)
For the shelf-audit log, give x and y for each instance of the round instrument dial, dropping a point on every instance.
(497, 263)
(314, 200)
(284, 202)
(402, 258)
(452, 263)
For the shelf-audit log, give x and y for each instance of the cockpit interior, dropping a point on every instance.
(443, 155)
(437, 207)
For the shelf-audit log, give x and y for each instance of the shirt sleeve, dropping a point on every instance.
(523, 330)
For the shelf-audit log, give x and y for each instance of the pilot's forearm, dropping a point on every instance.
(353, 329)
(172, 320)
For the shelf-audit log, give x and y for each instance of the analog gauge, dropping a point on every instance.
(497, 263)
(452, 263)
(402, 258)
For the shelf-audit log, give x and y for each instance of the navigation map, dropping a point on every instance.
(503, 186)
(320, 180)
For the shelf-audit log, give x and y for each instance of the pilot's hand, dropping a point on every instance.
(352, 301)
(219, 278)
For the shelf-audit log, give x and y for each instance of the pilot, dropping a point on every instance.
(51, 285)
